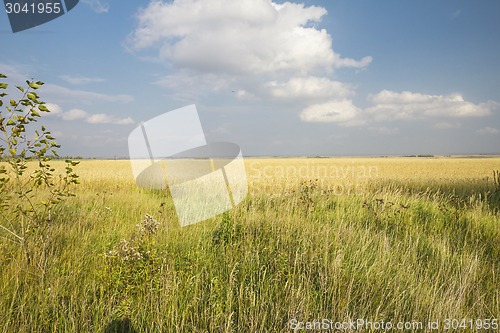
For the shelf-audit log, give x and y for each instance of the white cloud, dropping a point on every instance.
(55, 110)
(347, 62)
(410, 105)
(250, 37)
(56, 93)
(102, 118)
(278, 54)
(99, 118)
(254, 49)
(66, 94)
(14, 73)
(334, 112)
(488, 131)
(243, 94)
(76, 80)
(183, 80)
(389, 105)
(124, 121)
(75, 114)
(97, 5)
(310, 87)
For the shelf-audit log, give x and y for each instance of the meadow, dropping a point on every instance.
(398, 240)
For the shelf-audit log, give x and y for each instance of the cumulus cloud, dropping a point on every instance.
(125, 121)
(347, 62)
(279, 54)
(55, 110)
(256, 49)
(342, 111)
(310, 87)
(251, 37)
(389, 105)
(102, 118)
(77, 114)
(411, 105)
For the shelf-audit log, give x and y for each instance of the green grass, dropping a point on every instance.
(400, 248)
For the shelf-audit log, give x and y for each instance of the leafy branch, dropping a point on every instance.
(30, 187)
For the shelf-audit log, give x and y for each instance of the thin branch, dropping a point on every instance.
(12, 233)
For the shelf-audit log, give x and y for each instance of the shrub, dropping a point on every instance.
(29, 186)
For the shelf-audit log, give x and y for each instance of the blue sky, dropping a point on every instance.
(345, 77)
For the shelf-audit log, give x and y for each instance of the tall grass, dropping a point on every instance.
(409, 242)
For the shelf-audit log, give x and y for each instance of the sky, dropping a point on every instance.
(339, 77)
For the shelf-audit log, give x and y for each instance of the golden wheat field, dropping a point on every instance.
(332, 244)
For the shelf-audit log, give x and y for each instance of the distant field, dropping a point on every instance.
(409, 240)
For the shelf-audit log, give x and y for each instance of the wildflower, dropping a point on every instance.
(149, 226)
(125, 251)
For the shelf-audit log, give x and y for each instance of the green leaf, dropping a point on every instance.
(34, 112)
(20, 88)
(10, 122)
(3, 76)
(3, 85)
(26, 102)
(3, 94)
(13, 102)
(43, 108)
(1, 102)
(12, 152)
(32, 96)
(33, 85)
